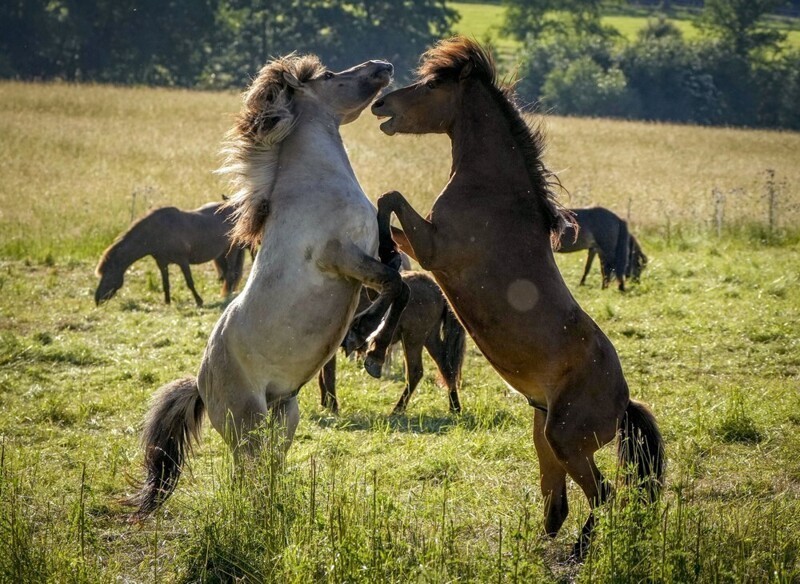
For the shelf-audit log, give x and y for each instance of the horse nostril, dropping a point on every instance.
(378, 103)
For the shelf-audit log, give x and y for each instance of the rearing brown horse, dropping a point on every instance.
(487, 241)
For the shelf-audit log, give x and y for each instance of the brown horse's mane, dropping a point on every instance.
(267, 117)
(447, 60)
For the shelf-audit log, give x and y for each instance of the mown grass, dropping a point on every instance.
(710, 339)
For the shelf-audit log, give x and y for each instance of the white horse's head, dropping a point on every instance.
(346, 93)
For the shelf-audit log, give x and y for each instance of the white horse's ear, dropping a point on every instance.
(291, 80)
(466, 70)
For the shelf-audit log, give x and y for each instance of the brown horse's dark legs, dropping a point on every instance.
(412, 354)
(575, 450)
(553, 478)
(349, 261)
(187, 275)
(327, 386)
(438, 351)
(419, 232)
(164, 269)
(589, 260)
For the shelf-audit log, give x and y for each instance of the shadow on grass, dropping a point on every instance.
(419, 424)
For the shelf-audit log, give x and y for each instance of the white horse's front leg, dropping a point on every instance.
(347, 260)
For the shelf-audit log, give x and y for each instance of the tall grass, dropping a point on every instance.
(710, 339)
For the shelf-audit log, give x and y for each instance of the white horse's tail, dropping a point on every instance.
(173, 421)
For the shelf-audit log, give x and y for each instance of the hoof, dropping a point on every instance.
(351, 343)
(373, 366)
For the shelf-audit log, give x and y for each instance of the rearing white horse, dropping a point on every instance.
(299, 198)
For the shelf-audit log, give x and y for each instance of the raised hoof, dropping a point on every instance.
(373, 366)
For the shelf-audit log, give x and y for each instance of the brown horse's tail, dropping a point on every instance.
(640, 443)
(174, 419)
(454, 340)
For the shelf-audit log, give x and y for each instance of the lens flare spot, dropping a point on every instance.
(522, 295)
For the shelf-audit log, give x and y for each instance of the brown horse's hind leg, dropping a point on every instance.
(553, 478)
(574, 439)
(412, 354)
(163, 267)
(589, 260)
(187, 275)
(327, 385)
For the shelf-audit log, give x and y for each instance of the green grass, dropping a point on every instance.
(710, 339)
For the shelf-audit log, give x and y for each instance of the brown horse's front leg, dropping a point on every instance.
(418, 231)
(349, 261)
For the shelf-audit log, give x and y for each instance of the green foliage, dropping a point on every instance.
(584, 88)
(534, 18)
(660, 76)
(740, 23)
(216, 43)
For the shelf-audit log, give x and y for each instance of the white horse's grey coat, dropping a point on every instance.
(301, 294)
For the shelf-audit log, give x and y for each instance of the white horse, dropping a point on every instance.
(299, 198)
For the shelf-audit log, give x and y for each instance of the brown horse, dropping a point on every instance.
(487, 242)
(428, 322)
(603, 233)
(173, 236)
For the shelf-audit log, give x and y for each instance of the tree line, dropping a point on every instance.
(736, 73)
(206, 43)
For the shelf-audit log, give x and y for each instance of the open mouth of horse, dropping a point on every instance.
(380, 111)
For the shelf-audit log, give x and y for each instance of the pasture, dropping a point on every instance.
(710, 339)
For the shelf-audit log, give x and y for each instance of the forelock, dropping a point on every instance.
(448, 57)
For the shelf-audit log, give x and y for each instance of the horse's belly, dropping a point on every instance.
(283, 339)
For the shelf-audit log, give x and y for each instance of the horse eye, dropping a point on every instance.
(328, 75)
(430, 84)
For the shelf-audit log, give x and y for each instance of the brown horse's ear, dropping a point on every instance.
(466, 70)
(291, 80)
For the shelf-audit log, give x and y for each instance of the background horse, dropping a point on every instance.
(488, 243)
(173, 236)
(637, 261)
(428, 322)
(319, 238)
(603, 233)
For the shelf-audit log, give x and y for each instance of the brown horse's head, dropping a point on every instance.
(430, 104)
(450, 75)
(111, 278)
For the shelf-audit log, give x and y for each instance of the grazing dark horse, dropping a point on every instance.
(427, 322)
(637, 261)
(603, 233)
(173, 236)
(298, 196)
(488, 243)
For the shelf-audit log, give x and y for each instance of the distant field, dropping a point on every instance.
(710, 339)
(81, 162)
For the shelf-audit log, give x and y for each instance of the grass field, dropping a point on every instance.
(710, 339)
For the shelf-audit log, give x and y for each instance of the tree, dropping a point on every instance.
(740, 23)
(534, 18)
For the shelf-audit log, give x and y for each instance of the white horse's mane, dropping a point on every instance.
(252, 146)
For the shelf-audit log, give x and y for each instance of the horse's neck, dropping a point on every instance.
(483, 147)
(315, 149)
(126, 251)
